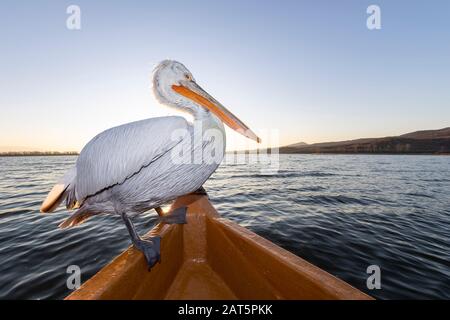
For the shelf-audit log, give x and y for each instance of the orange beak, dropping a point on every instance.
(194, 92)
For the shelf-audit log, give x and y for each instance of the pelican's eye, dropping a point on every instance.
(188, 77)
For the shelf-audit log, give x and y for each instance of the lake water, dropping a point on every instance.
(340, 212)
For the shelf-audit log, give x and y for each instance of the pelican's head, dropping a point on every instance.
(174, 85)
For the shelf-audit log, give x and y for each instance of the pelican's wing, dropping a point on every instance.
(118, 153)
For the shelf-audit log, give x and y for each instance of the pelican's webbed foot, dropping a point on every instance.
(200, 191)
(151, 248)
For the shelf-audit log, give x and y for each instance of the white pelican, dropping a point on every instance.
(132, 168)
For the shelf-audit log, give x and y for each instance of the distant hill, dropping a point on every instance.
(419, 142)
(298, 144)
(428, 134)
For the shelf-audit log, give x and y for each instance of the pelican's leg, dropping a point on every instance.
(177, 216)
(150, 247)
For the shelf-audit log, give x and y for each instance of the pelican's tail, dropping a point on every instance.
(64, 189)
(77, 218)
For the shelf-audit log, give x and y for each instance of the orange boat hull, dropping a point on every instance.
(213, 258)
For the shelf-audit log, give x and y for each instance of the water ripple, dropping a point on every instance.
(342, 213)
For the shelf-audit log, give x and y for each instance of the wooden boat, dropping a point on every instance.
(213, 258)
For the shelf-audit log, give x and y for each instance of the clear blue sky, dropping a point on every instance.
(310, 69)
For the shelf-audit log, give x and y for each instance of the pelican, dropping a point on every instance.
(138, 166)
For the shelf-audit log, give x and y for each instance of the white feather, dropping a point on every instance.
(120, 152)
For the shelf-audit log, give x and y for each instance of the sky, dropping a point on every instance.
(301, 70)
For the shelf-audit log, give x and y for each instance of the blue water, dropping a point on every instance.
(340, 212)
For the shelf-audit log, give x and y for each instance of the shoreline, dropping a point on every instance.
(37, 154)
(252, 153)
(343, 153)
